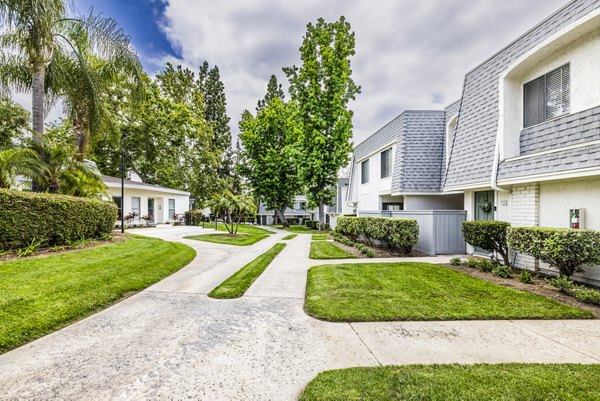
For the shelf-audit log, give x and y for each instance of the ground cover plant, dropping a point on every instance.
(328, 250)
(236, 285)
(228, 239)
(457, 382)
(40, 295)
(419, 291)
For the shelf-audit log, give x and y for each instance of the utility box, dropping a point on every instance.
(577, 219)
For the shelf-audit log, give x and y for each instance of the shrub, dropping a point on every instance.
(396, 233)
(312, 224)
(472, 263)
(503, 271)
(588, 295)
(563, 284)
(456, 261)
(486, 265)
(51, 219)
(193, 217)
(489, 235)
(565, 249)
(526, 277)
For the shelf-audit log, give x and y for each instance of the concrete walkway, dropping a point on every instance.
(173, 342)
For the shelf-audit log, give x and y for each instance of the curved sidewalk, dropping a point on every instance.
(173, 342)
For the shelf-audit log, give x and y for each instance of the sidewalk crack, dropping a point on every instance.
(365, 344)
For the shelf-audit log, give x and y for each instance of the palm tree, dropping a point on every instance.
(232, 207)
(45, 51)
(15, 161)
(63, 172)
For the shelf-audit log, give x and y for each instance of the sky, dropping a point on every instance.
(410, 54)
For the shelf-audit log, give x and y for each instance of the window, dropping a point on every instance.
(300, 206)
(171, 209)
(547, 97)
(135, 207)
(392, 206)
(386, 163)
(117, 200)
(364, 172)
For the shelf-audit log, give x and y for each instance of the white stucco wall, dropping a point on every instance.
(580, 49)
(161, 205)
(368, 194)
(433, 202)
(556, 198)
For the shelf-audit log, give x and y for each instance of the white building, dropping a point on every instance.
(158, 204)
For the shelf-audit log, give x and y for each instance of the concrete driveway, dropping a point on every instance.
(173, 342)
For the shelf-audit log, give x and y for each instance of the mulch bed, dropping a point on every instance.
(538, 287)
(56, 250)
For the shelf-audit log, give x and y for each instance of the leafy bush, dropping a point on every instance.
(51, 219)
(489, 235)
(396, 233)
(565, 249)
(456, 261)
(312, 224)
(502, 271)
(472, 263)
(486, 265)
(193, 217)
(526, 277)
(588, 295)
(563, 284)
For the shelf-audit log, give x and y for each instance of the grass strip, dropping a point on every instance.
(320, 237)
(43, 294)
(328, 250)
(289, 237)
(457, 382)
(236, 285)
(243, 228)
(227, 239)
(419, 291)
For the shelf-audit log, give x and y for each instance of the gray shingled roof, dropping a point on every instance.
(473, 146)
(570, 159)
(420, 152)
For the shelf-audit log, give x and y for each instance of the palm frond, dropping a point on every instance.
(14, 74)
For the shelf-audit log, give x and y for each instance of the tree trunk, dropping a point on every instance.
(37, 110)
(321, 215)
(281, 213)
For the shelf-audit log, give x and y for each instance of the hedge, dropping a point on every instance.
(193, 217)
(396, 233)
(52, 219)
(564, 248)
(488, 235)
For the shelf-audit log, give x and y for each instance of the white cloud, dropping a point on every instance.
(410, 53)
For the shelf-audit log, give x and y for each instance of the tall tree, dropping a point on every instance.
(38, 47)
(271, 155)
(274, 91)
(14, 123)
(322, 86)
(213, 89)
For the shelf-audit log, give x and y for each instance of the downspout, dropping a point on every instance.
(499, 138)
(495, 166)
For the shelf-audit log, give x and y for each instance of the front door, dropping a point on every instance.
(484, 211)
(151, 210)
(484, 206)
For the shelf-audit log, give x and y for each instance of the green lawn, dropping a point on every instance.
(238, 240)
(320, 237)
(419, 291)
(289, 237)
(243, 228)
(457, 382)
(328, 250)
(40, 295)
(236, 285)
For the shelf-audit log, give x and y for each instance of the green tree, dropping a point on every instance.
(232, 208)
(38, 42)
(271, 155)
(15, 161)
(14, 123)
(213, 89)
(322, 87)
(274, 91)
